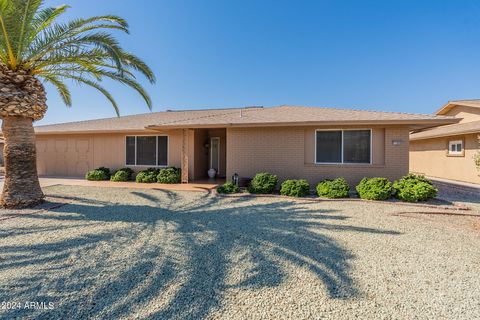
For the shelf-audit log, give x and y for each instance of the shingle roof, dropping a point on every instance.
(448, 130)
(281, 115)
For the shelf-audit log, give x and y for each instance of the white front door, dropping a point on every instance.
(215, 154)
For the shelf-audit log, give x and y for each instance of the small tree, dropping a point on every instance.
(476, 156)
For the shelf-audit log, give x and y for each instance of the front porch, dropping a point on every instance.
(203, 149)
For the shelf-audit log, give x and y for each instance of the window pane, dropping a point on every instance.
(329, 146)
(356, 146)
(146, 151)
(130, 151)
(162, 151)
(452, 147)
(459, 147)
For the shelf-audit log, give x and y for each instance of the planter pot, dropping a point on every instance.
(212, 173)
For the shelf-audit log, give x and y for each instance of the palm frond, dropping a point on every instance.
(61, 87)
(82, 50)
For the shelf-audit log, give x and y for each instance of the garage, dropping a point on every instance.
(64, 156)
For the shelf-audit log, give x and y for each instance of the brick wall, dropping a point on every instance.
(282, 151)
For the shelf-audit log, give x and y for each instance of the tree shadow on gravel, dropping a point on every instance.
(179, 255)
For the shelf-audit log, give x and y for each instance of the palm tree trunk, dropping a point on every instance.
(21, 188)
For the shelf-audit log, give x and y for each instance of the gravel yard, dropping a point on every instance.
(124, 254)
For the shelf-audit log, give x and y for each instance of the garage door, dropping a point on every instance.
(71, 156)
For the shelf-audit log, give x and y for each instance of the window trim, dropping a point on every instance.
(342, 162)
(455, 153)
(156, 150)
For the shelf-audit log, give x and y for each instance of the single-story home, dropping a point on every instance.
(448, 151)
(289, 141)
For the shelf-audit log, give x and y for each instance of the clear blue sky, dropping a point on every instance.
(395, 55)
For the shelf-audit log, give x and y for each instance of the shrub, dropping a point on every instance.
(105, 170)
(147, 176)
(228, 187)
(337, 188)
(295, 188)
(375, 189)
(169, 175)
(124, 174)
(263, 183)
(96, 175)
(414, 188)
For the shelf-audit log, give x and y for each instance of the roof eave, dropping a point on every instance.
(442, 135)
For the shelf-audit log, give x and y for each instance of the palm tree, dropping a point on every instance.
(34, 48)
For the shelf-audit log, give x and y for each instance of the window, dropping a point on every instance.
(455, 147)
(146, 150)
(343, 146)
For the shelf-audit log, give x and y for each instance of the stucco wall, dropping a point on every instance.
(73, 155)
(289, 153)
(468, 114)
(430, 157)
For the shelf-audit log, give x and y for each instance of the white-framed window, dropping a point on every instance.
(455, 147)
(146, 151)
(343, 146)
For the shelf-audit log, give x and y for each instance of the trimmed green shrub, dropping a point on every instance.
(228, 187)
(337, 188)
(106, 170)
(96, 175)
(169, 175)
(295, 188)
(263, 183)
(124, 174)
(375, 189)
(414, 188)
(147, 176)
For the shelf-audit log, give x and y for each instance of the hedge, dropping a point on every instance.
(295, 188)
(337, 188)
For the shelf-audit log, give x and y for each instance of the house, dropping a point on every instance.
(447, 151)
(292, 142)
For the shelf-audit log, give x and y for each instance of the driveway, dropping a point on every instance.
(114, 253)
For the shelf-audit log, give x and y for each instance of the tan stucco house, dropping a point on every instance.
(447, 151)
(292, 142)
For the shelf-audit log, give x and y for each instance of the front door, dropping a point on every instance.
(215, 154)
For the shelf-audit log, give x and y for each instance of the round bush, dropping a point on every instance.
(105, 170)
(120, 176)
(124, 174)
(96, 175)
(337, 188)
(295, 188)
(375, 189)
(147, 176)
(414, 188)
(228, 187)
(263, 183)
(169, 175)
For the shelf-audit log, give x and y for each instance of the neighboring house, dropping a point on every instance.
(292, 142)
(448, 151)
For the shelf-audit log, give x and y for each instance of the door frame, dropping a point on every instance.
(218, 153)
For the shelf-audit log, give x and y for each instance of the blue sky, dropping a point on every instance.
(408, 56)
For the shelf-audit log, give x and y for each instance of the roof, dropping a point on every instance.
(451, 104)
(448, 130)
(246, 117)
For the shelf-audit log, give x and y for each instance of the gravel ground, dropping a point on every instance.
(136, 254)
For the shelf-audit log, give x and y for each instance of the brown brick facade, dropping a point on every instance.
(287, 152)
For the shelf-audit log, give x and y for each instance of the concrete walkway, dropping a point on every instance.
(204, 186)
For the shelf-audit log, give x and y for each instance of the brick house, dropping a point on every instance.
(290, 141)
